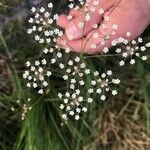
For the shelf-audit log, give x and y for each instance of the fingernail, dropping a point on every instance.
(72, 31)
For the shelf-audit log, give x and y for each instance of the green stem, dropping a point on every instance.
(5, 46)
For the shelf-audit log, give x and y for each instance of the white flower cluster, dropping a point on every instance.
(37, 76)
(55, 54)
(102, 84)
(73, 104)
(25, 109)
(130, 50)
(42, 25)
(74, 69)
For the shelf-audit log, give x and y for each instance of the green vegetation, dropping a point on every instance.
(120, 123)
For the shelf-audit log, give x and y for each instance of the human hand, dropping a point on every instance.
(128, 16)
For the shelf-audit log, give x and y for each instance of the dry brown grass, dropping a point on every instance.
(119, 127)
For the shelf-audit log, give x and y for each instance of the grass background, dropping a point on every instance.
(120, 123)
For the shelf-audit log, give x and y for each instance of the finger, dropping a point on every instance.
(81, 25)
(62, 21)
(75, 13)
(74, 46)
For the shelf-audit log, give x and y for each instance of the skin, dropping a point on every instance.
(130, 16)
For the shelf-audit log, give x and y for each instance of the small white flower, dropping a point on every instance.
(121, 63)
(61, 65)
(78, 110)
(67, 94)
(81, 82)
(40, 91)
(109, 72)
(77, 59)
(116, 81)
(84, 109)
(28, 64)
(65, 100)
(128, 34)
(83, 65)
(50, 5)
(64, 116)
(87, 17)
(30, 20)
(72, 86)
(132, 61)
(45, 51)
(114, 92)
(93, 46)
(70, 37)
(59, 95)
(105, 50)
(42, 9)
(77, 117)
(103, 75)
(118, 50)
(103, 97)
(49, 73)
(69, 17)
(98, 91)
(29, 31)
(114, 26)
(90, 100)
(147, 45)
(71, 113)
(101, 11)
(67, 50)
(61, 106)
(45, 84)
(144, 58)
(143, 48)
(93, 82)
(59, 55)
(95, 35)
(53, 60)
(51, 50)
(96, 73)
(95, 26)
(33, 9)
(77, 91)
(47, 14)
(90, 90)
(65, 77)
(81, 24)
(87, 71)
(71, 5)
(28, 85)
(70, 62)
(73, 81)
(44, 62)
(140, 40)
(106, 18)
